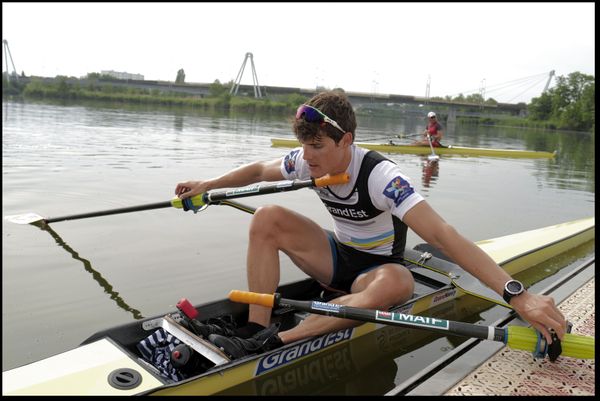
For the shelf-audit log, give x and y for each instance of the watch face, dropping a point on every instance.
(514, 287)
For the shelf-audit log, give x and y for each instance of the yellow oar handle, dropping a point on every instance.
(246, 297)
(573, 345)
(197, 201)
(326, 180)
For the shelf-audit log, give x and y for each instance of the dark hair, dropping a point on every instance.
(335, 105)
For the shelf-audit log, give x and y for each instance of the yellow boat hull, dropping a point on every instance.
(425, 150)
(84, 370)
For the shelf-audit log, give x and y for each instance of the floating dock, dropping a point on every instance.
(489, 368)
(512, 372)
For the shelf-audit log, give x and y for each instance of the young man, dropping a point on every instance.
(371, 213)
(434, 130)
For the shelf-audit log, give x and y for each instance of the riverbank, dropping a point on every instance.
(101, 92)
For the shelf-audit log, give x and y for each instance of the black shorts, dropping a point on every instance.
(349, 263)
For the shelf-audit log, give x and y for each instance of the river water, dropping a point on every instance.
(62, 284)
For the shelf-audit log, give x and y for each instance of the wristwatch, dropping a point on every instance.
(512, 288)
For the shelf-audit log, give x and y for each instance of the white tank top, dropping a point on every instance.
(370, 224)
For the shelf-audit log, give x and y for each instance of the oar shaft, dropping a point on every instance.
(216, 196)
(430, 144)
(515, 337)
(257, 189)
(220, 195)
(372, 315)
(130, 209)
(273, 187)
(397, 319)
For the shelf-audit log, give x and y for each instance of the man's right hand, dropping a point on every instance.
(190, 188)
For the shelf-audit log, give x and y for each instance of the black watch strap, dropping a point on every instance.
(512, 288)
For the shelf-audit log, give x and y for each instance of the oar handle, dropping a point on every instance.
(327, 180)
(254, 298)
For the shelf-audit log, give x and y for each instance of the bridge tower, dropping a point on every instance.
(6, 49)
(548, 82)
(236, 84)
(482, 92)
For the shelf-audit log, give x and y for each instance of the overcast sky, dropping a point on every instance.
(504, 49)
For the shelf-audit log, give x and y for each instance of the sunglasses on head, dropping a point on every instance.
(314, 115)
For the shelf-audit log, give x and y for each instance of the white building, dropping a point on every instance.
(122, 75)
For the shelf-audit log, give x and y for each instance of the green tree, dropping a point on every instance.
(63, 88)
(569, 105)
(540, 108)
(217, 89)
(180, 77)
(475, 98)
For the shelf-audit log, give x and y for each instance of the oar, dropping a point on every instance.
(517, 337)
(379, 138)
(198, 201)
(400, 136)
(432, 157)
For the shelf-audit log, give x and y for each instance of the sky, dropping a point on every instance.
(503, 51)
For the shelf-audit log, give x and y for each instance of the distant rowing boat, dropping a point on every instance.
(425, 150)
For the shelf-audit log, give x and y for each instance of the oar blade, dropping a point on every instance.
(26, 218)
(577, 346)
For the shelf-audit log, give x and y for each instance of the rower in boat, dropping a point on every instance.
(433, 132)
(362, 259)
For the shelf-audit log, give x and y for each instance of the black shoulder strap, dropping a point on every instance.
(371, 159)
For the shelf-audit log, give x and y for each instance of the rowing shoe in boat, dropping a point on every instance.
(109, 362)
(424, 150)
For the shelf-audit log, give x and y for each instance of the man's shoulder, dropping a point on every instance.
(384, 171)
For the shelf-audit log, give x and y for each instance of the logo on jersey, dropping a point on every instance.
(398, 190)
(348, 212)
(290, 161)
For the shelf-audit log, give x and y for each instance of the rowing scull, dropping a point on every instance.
(424, 150)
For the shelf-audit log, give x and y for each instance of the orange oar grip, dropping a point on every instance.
(247, 297)
(342, 178)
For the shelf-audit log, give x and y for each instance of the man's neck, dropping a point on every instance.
(345, 163)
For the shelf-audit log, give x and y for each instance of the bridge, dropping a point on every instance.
(371, 101)
(406, 104)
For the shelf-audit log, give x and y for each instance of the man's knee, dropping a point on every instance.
(398, 284)
(386, 286)
(266, 221)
